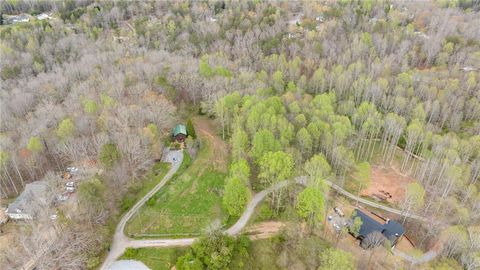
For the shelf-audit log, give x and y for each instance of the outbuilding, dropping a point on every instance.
(180, 133)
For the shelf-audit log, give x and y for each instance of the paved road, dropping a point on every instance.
(120, 241)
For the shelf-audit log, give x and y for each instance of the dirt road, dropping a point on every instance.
(120, 241)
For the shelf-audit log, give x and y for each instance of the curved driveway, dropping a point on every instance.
(121, 242)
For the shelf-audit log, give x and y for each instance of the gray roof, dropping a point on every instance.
(34, 195)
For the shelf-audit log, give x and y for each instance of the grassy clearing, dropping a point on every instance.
(187, 204)
(281, 253)
(155, 258)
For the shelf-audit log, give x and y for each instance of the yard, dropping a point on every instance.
(191, 200)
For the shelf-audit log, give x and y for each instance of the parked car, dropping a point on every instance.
(72, 169)
(337, 227)
(338, 211)
(70, 184)
(70, 189)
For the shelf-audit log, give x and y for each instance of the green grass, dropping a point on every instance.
(154, 258)
(186, 205)
(138, 189)
(270, 253)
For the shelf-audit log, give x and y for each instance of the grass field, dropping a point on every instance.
(155, 258)
(189, 202)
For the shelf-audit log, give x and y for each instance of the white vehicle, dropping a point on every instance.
(70, 184)
(53, 217)
(70, 189)
(72, 169)
(339, 211)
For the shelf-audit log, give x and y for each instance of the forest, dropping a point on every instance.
(329, 90)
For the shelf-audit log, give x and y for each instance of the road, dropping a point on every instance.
(120, 241)
(302, 180)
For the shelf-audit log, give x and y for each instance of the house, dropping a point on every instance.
(391, 230)
(180, 133)
(29, 202)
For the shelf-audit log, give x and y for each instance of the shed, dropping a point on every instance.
(180, 133)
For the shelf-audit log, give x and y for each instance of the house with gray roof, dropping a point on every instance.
(30, 201)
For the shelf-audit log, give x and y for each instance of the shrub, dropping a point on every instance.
(109, 155)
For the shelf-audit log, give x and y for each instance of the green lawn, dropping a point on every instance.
(187, 204)
(280, 253)
(155, 258)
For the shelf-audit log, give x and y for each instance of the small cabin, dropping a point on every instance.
(179, 133)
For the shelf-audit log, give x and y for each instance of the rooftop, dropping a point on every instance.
(391, 229)
(179, 129)
(34, 194)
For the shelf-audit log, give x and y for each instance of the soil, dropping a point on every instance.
(264, 229)
(387, 185)
(205, 128)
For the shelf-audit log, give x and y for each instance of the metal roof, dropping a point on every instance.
(179, 129)
(391, 229)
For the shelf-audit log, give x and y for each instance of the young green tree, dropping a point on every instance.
(239, 142)
(275, 167)
(317, 82)
(191, 129)
(214, 251)
(304, 141)
(356, 226)
(336, 259)
(91, 194)
(235, 196)
(109, 155)
(414, 198)
(90, 106)
(278, 82)
(35, 145)
(65, 129)
(317, 168)
(361, 177)
(263, 142)
(311, 206)
(240, 169)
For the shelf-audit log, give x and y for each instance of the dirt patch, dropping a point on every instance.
(264, 229)
(387, 185)
(206, 129)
